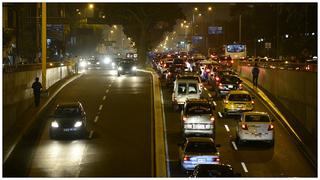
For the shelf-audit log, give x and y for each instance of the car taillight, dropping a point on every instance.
(207, 70)
(165, 65)
(226, 102)
(271, 127)
(252, 102)
(211, 118)
(217, 78)
(231, 61)
(216, 159)
(184, 118)
(186, 158)
(244, 126)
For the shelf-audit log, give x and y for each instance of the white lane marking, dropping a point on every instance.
(90, 135)
(227, 128)
(220, 115)
(244, 167)
(215, 104)
(234, 146)
(209, 95)
(104, 98)
(96, 119)
(100, 107)
(107, 90)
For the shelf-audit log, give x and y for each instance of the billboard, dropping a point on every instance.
(235, 48)
(215, 30)
(196, 39)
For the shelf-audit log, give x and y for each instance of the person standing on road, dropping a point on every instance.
(255, 74)
(36, 86)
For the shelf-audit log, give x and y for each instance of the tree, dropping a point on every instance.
(144, 23)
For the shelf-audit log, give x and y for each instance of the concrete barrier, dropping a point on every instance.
(18, 94)
(295, 90)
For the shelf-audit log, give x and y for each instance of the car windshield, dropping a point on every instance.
(192, 88)
(239, 97)
(182, 88)
(60, 111)
(257, 118)
(201, 147)
(198, 108)
(126, 63)
(229, 79)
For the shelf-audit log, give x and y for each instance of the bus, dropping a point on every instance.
(235, 51)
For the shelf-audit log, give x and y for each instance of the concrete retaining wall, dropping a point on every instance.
(295, 90)
(18, 94)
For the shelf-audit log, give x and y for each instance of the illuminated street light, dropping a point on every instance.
(77, 10)
(111, 31)
(209, 8)
(115, 26)
(129, 38)
(196, 9)
(287, 35)
(187, 26)
(91, 6)
(103, 16)
(200, 14)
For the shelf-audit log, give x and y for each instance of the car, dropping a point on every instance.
(237, 102)
(93, 63)
(227, 83)
(190, 76)
(214, 170)
(185, 89)
(197, 118)
(127, 66)
(68, 119)
(198, 150)
(107, 62)
(255, 126)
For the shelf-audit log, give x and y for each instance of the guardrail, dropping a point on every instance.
(30, 67)
(283, 65)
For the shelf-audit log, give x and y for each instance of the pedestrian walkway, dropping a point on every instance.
(13, 135)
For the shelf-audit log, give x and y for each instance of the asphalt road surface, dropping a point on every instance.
(250, 159)
(119, 142)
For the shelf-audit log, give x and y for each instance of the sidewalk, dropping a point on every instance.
(19, 129)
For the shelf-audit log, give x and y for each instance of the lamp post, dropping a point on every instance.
(44, 46)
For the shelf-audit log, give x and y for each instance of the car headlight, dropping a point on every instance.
(98, 63)
(134, 68)
(113, 64)
(83, 64)
(78, 124)
(54, 124)
(107, 60)
(89, 62)
(120, 68)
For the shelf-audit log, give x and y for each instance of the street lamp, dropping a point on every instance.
(91, 6)
(209, 8)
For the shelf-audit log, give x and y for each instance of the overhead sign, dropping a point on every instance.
(215, 30)
(196, 39)
(267, 45)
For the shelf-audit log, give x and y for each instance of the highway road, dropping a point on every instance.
(120, 140)
(251, 159)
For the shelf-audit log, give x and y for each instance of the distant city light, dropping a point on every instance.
(287, 36)
(91, 6)
(210, 8)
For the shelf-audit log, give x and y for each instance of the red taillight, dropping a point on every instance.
(220, 84)
(231, 61)
(217, 78)
(244, 126)
(216, 159)
(271, 127)
(207, 70)
(165, 65)
(211, 118)
(252, 102)
(184, 118)
(186, 158)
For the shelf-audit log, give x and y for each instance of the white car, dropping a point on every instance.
(255, 126)
(198, 150)
(185, 89)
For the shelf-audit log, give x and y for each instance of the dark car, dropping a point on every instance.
(93, 63)
(227, 83)
(214, 170)
(127, 66)
(68, 119)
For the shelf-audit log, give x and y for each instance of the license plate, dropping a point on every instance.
(199, 126)
(230, 86)
(68, 130)
(201, 160)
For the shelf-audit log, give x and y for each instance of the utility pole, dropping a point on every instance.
(44, 46)
(37, 32)
(240, 28)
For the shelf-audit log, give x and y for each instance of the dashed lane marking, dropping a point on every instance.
(100, 107)
(96, 119)
(209, 95)
(90, 135)
(234, 146)
(104, 98)
(227, 128)
(215, 104)
(220, 115)
(107, 90)
(244, 167)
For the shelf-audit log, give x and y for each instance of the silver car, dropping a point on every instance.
(198, 150)
(255, 126)
(197, 118)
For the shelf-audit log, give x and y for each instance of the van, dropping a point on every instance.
(185, 89)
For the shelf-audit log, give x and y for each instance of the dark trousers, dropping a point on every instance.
(255, 80)
(37, 99)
